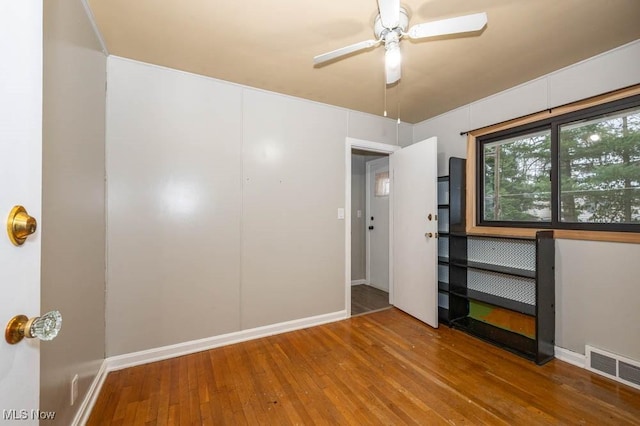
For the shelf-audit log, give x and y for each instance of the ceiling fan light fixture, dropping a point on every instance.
(392, 56)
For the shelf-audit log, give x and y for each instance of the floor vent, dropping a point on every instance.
(614, 366)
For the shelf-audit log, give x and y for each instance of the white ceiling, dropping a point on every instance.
(271, 45)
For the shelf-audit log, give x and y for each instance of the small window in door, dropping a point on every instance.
(382, 184)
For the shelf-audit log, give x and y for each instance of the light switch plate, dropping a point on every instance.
(341, 213)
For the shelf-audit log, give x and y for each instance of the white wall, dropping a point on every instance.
(73, 204)
(358, 224)
(222, 205)
(596, 283)
(293, 184)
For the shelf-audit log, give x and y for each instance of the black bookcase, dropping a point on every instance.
(500, 289)
(451, 222)
(492, 278)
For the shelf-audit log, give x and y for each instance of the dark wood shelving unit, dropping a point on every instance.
(528, 293)
(502, 302)
(526, 273)
(451, 221)
(500, 289)
(513, 342)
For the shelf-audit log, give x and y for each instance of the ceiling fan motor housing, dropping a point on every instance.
(382, 32)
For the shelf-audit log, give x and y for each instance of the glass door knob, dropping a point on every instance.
(45, 327)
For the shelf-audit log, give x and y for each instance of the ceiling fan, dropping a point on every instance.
(389, 28)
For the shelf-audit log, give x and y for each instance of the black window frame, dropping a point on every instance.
(553, 124)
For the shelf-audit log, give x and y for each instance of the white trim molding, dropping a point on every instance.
(165, 352)
(84, 411)
(573, 358)
(120, 362)
(353, 143)
(359, 282)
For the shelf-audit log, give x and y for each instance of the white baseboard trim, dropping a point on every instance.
(379, 288)
(571, 357)
(358, 282)
(84, 411)
(158, 354)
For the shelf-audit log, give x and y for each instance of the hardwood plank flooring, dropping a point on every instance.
(381, 368)
(365, 298)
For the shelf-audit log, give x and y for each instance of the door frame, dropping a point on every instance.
(368, 211)
(365, 145)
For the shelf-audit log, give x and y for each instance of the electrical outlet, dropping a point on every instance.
(74, 389)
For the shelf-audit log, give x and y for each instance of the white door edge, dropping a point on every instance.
(353, 143)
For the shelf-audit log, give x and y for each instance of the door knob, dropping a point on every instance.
(430, 216)
(45, 327)
(371, 228)
(20, 225)
(428, 235)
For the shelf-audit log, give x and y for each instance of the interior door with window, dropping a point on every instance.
(414, 180)
(20, 183)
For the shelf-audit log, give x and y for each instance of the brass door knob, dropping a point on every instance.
(45, 327)
(20, 225)
(429, 235)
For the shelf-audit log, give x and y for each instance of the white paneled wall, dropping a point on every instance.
(603, 73)
(372, 128)
(591, 306)
(174, 171)
(73, 192)
(293, 185)
(223, 205)
(516, 102)
(597, 296)
(446, 128)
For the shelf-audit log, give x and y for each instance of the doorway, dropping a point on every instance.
(370, 187)
(366, 298)
(412, 204)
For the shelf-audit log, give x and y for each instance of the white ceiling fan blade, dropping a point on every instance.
(392, 73)
(389, 13)
(461, 24)
(344, 51)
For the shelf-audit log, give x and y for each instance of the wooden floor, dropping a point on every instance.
(365, 298)
(381, 368)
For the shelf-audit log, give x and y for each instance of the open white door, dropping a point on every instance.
(20, 183)
(414, 180)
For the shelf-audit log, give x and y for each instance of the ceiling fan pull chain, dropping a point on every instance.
(384, 90)
(398, 99)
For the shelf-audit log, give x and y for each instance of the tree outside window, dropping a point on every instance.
(576, 171)
(600, 169)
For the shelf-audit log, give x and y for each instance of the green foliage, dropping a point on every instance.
(519, 189)
(599, 163)
(600, 170)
